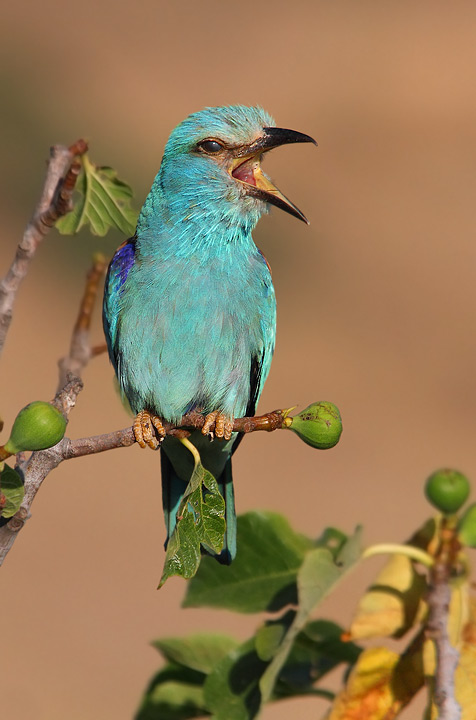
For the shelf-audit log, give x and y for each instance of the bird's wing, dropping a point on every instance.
(261, 360)
(117, 273)
(255, 383)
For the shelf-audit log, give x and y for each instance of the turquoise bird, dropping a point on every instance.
(189, 306)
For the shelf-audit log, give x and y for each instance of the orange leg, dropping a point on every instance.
(144, 432)
(218, 425)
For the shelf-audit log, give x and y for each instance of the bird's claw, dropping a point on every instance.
(218, 425)
(143, 427)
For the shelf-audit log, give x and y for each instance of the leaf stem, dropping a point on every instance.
(190, 446)
(410, 551)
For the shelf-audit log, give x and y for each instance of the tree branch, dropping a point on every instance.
(41, 463)
(35, 469)
(438, 599)
(125, 438)
(80, 351)
(55, 202)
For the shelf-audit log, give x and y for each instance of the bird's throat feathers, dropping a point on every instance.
(195, 198)
(191, 206)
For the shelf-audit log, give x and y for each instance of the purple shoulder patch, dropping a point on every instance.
(123, 260)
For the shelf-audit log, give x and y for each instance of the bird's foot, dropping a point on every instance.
(143, 427)
(218, 425)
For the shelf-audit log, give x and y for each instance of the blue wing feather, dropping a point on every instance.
(119, 268)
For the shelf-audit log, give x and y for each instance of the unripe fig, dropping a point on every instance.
(447, 490)
(467, 527)
(37, 427)
(319, 425)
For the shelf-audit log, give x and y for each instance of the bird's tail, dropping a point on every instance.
(173, 488)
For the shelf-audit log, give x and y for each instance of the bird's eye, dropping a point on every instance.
(210, 146)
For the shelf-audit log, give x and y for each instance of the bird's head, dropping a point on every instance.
(212, 163)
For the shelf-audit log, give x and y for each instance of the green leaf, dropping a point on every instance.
(201, 651)
(263, 574)
(269, 637)
(102, 201)
(200, 522)
(203, 497)
(11, 486)
(333, 539)
(318, 575)
(175, 693)
(316, 651)
(326, 636)
(231, 690)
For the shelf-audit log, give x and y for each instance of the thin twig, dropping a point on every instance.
(55, 202)
(125, 438)
(80, 351)
(40, 464)
(98, 349)
(35, 469)
(438, 599)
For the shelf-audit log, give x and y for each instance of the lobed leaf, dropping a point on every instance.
(102, 201)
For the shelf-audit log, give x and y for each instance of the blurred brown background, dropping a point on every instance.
(376, 302)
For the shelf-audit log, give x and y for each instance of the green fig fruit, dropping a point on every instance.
(319, 425)
(467, 527)
(447, 490)
(37, 427)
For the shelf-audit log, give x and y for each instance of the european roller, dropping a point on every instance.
(189, 305)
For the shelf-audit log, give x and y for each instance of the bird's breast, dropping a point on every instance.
(190, 330)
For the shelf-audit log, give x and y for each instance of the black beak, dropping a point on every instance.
(264, 190)
(273, 137)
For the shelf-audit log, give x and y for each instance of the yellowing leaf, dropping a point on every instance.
(429, 658)
(101, 201)
(459, 611)
(380, 684)
(460, 623)
(393, 603)
(465, 675)
(462, 631)
(465, 682)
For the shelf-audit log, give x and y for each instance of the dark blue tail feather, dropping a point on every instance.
(173, 487)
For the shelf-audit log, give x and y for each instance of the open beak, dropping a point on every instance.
(246, 167)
